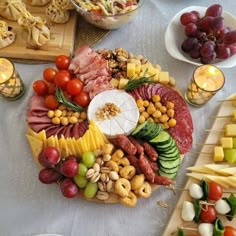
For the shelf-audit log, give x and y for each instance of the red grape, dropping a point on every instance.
(195, 52)
(217, 23)
(208, 60)
(232, 48)
(69, 188)
(49, 157)
(230, 38)
(205, 24)
(214, 10)
(191, 29)
(188, 17)
(197, 14)
(188, 44)
(69, 168)
(221, 34)
(207, 49)
(49, 176)
(223, 52)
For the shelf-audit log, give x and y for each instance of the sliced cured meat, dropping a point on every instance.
(36, 104)
(68, 131)
(38, 120)
(39, 127)
(83, 127)
(51, 130)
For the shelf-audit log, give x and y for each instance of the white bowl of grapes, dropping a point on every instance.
(203, 35)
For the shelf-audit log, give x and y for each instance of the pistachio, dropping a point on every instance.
(105, 170)
(90, 173)
(100, 161)
(113, 175)
(110, 186)
(95, 178)
(104, 177)
(102, 186)
(106, 157)
(96, 167)
(102, 195)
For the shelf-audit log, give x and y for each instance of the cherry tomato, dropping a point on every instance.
(61, 79)
(49, 74)
(208, 214)
(82, 99)
(74, 86)
(40, 87)
(215, 191)
(51, 102)
(62, 62)
(67, 95)
(230, 231)
(51, 89)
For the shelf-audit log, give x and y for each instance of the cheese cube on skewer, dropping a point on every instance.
(218, 153)
(226, 142)
(230, 130)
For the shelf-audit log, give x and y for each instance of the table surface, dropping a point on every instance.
(29, 207)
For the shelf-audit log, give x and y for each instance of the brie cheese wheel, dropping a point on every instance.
(124, 121)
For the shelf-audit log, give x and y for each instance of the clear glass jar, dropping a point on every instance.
(11, 85)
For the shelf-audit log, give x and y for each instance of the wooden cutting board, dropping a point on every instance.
(61, 42)
(176, 221)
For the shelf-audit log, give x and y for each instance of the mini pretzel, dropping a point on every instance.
(127, 172)
(112, 165)
(130, 200)
(123, 162)
(137, 181)
(144, 191)
(122, 187)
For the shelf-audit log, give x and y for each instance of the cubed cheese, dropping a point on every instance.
(218, 153)
(137, 69)
(122, 83)
(230, 130)
(114, 82)
(164, 77)
(130, 70)
(226, 142)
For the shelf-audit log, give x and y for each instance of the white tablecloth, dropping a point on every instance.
(28, 207)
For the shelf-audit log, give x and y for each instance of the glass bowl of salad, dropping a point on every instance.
(107, 14)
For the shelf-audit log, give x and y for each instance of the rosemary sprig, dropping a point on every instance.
(135, 83)
(62, 99)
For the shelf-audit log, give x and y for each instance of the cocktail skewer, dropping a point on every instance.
(233, 116)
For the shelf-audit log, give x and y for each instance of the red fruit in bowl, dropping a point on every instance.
(49, 157)
(69, 168)
(49, 176)
(214, 10)
(69, 188)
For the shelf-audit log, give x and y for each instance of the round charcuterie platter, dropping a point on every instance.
(107, 126)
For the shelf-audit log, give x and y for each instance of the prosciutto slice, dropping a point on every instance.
(92, 70)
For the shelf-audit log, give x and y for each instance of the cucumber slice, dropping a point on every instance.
(165, 146)
(169, 171)
(169, 155)
(169, 175)
(161, 139)
(141, 129)
(169, 164)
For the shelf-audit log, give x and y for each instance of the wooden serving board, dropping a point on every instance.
(61, 42)
(176, 221)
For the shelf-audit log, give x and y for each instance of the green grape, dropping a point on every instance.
(82, 169)
(90, 190)
(88, 159)
(81, 181)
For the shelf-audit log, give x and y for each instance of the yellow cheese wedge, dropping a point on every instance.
(36, 146)
(130, 70)
(201, 169)
(228, 171)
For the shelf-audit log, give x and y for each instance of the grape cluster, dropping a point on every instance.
(207, 37)
(69, 174)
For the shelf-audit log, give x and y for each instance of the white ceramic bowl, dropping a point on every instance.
(174, 37)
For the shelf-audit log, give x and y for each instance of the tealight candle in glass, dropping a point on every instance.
(206, 81)
(11, 85)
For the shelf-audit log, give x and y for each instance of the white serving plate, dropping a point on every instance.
(174, 36)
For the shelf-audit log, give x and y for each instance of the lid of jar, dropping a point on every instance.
(6, 70)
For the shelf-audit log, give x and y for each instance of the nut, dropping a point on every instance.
(102, 186)
(95, 178)
(102, 195)
(90, 173)
(105, 170)
(110, 186)
(106, 157)
(100, 161)
(104, 177)
(113, 175)
(96, 167)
